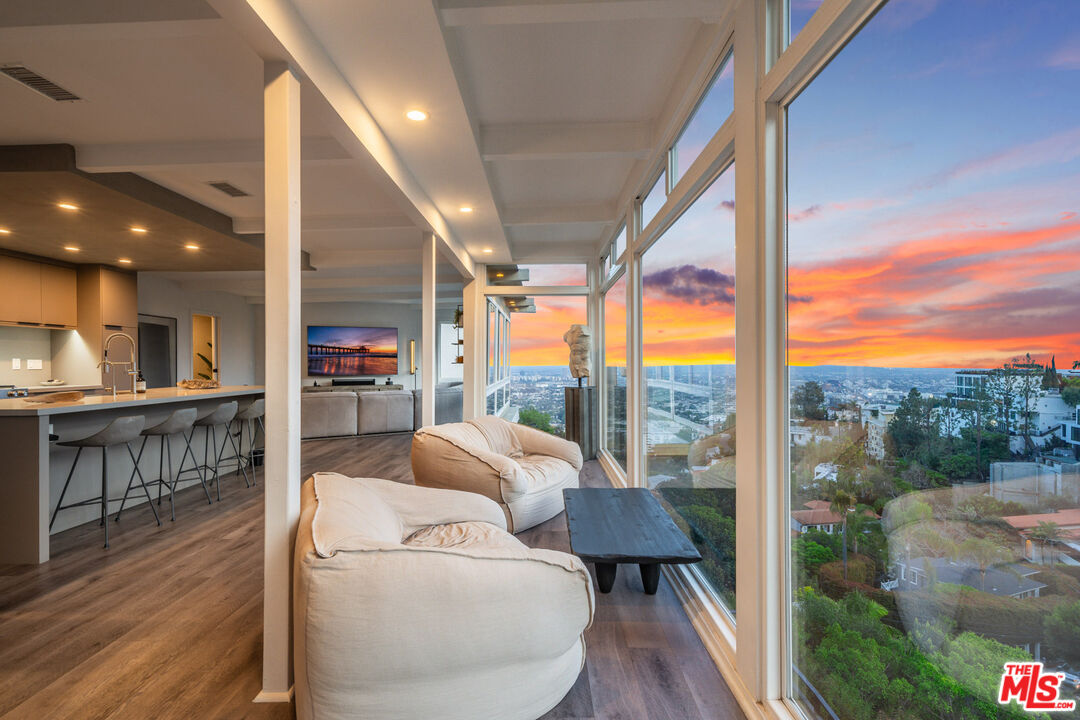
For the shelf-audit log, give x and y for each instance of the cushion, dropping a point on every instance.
(465, 534)
(543, 471)
(350, 517)
(499, 434)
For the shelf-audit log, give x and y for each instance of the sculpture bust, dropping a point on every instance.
(579, 338)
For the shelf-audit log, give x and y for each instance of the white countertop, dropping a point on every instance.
(58, 388)
(154, 396)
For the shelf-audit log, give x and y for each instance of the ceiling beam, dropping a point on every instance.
(148, 157)
(554, 141)
(559, 215)
(369, 221)
(521, 12)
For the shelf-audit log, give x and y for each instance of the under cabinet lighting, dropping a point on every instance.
(71, 248)
(138, 229)
(416, 115)
(191, 246)
(67, 206)
(125, 261)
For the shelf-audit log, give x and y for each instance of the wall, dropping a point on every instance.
(25, 344)
(405, 317)
(236, 326)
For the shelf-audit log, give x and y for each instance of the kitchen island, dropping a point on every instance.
(34, 472)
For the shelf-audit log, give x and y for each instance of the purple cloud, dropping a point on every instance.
(689, 283)
(728, 205)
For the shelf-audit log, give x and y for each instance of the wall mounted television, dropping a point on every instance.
(351, 351)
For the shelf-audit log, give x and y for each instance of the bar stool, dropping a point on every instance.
(222, 415)
(120, 431)
(248, 416)
(181, 422)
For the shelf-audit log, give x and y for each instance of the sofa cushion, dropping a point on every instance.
(350, 517)
(380, 412)
(327, 414)
(499, 435)
(544, 471)
(465, 534)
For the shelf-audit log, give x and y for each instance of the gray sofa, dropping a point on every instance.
(343, 411)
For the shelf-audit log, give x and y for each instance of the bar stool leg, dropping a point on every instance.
(123, 501)
(236, 453)
(63, 492)
(142, 481)
(189, 451)
(166, 444)
(217, 477)
(160, 463)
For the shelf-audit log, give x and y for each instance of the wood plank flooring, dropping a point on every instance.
(168, 622)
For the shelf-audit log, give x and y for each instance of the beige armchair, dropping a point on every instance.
(416, 603)
(519, 467)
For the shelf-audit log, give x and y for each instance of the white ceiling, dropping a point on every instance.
(542, 116)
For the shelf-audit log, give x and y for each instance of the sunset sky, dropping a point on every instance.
(934, 204)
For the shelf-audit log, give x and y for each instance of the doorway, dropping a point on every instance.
(204, 347)
(157, 350)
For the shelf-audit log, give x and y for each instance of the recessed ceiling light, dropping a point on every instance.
(138, 229)
(498, 274)
(416, 115)
(488, 251)
(465, 209)
(71, 248)
(125, 261)
(4, 231)
(191, 246)
(67, 206)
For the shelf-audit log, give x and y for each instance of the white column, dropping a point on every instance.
(282, 467)
(636, 411)
(474, 305)
(430, 254)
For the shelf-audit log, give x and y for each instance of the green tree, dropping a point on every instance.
(1048, 533)
(984, 553)
(536, 419)
(808, 401)
(842, 502)
(976, 412)
(1071, 392)
(914, 428)
(960, 466)
(1062, 630)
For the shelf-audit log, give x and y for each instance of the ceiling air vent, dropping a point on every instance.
(32, 80)
(228, 188)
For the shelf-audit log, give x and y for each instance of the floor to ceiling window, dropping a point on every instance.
(688, 319)
(615, 371)
(933, 228)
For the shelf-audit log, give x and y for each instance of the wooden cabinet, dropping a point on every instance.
(58, 296)
(20, 291)
(119, 298)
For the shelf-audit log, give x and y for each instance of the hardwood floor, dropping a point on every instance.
(168, 622)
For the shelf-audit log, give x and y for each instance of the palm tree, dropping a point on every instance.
(984, 553)
(1048, 533)
(842, 503)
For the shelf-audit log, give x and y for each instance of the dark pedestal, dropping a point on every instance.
(581, 419)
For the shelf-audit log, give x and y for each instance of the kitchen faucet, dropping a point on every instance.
(133, 370)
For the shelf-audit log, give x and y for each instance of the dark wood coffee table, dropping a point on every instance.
(609, 526)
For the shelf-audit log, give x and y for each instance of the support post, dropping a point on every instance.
(474, 378)
(282, 466)
(637, 419)
(430, 255)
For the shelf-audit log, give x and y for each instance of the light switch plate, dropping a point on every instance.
(33, 364)
(16, 364)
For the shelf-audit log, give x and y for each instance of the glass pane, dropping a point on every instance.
(654, 200)
(933, 334)
(492, 341)
(799, 12)
(615, 370)
(538, 275)
(688, 315)
(620, 247)
(539, 361)
(715, 107)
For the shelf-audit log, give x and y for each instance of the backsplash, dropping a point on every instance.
(25, 344)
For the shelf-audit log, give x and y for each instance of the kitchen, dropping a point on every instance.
(89, 333)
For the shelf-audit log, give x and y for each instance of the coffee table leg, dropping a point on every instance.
(605, 576)
(650, 577)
